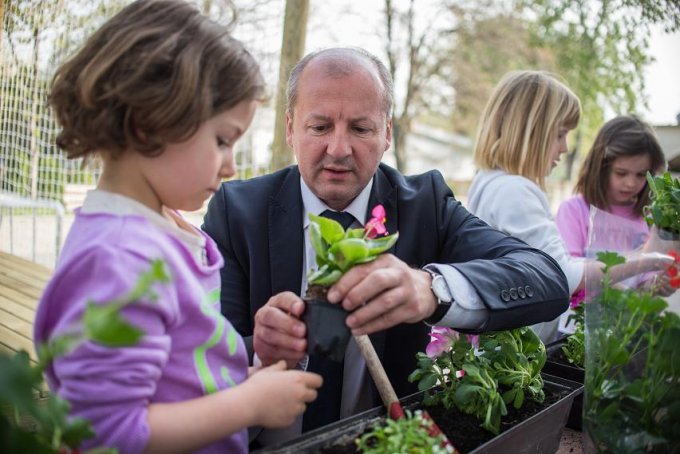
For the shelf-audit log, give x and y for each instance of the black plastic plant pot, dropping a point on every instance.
(558, 365)
(539, 432)
(327, 332)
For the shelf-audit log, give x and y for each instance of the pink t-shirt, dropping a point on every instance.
(587, 229)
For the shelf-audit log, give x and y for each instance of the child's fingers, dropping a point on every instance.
(310, 395)
(311, 379)
(279, 365)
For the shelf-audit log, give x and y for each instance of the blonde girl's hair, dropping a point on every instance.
(151, 75)
(520, 122)
(622, 136)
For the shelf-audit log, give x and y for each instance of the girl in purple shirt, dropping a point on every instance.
(161, 94)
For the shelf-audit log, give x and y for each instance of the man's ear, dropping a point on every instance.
(289, 129)
(388, 134)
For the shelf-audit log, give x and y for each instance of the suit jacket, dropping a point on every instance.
(257, 225)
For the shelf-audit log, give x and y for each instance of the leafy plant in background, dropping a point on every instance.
(54, 430)
(664, 211)
(412, 432)
(632, 387)
(338, 250)
(481, 375)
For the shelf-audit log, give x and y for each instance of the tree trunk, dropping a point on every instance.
(571, 156)
(33, 119)
(399, 145)
(2, 23)
(292, 50)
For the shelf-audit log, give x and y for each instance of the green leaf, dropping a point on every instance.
(17, 380)
(466, 392)
(354, 233)
(348, 251)
(610, 259)
(331, 231)
(317, 241)
(76, 430)
(104, 325)
(427, 382)
(326, 279)
(380, 245)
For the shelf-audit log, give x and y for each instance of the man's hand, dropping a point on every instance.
(279, 333)
(382, 294)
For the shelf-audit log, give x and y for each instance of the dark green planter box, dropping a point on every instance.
(539, 433)
(570, 372)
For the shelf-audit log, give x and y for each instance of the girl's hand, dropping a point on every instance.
(280, 395)
(662, 283)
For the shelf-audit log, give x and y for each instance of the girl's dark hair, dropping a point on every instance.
(150, 76)
(622, 136)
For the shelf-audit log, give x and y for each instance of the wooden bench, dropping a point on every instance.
(21, 285)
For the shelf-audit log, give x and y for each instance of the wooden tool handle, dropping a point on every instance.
(376, 370)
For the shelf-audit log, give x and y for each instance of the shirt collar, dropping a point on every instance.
(312, 204)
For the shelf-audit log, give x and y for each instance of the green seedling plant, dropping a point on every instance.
(632, 388)
(411, 435)
(338, 250)
(54, 430)
(664, 211)
(574, 348)
(482, 375)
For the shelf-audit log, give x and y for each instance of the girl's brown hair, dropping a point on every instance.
(520, 122)
(622, 136)
(150, 76)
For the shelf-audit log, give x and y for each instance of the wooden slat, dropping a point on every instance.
(16, 342)
(13, 323)
(20, 287)
(17, 309)
(31, 281)
(31, 268)
(30, 302)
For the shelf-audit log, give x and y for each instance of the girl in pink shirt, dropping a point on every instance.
(612, 189)
(613, 180)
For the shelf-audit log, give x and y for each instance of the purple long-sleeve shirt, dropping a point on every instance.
(189, 348)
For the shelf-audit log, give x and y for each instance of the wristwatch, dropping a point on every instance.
(444, 299)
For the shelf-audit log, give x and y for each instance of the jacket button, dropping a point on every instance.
(505, 296)
(529, 291)
(521, 293)
(513, 293)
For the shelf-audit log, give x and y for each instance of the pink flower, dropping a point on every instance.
(473, 339)
(577, 298)
(442, 340)
(460, 373)
(376, 225)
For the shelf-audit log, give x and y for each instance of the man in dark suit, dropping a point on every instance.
(339, 125)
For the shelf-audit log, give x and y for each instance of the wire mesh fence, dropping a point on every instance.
(38, 186)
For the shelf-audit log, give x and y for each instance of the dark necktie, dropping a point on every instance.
(326, 408)
(343, 218)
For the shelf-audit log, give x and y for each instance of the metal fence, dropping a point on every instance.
(38, 186)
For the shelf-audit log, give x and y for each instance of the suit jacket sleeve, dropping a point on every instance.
(518, 285)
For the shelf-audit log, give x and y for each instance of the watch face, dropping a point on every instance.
(440, 289)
